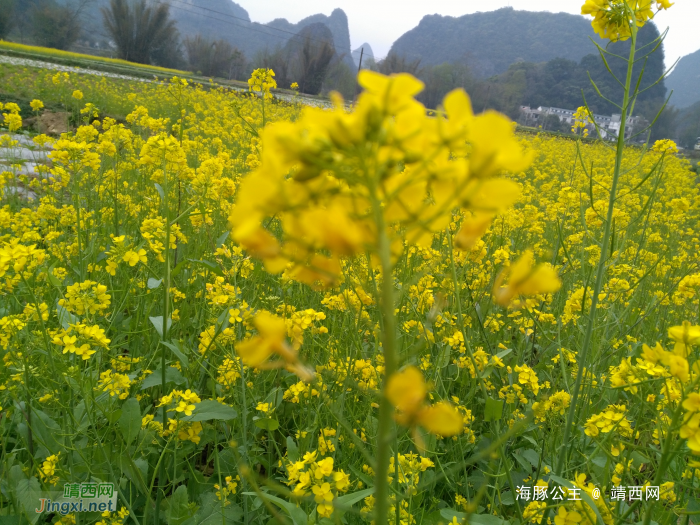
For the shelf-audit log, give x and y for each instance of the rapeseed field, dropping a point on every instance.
(235, 309)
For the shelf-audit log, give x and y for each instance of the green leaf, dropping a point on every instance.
(600, 460)
(223, 321)
(27, 492)
(114, 415)
(523, 462)
(443, 358)
(348, 500)
(493, 410)
(222, 239)
(45, 430)
(158, 324)
(472, 519)
(178, 268)
(275, 397)
(65, 317)
(639, 458)
(267, 423)
(178, 507)
(135, 471)
(209, 512)
(292, 449)
(177, 350)
(160, 190)
(52, 278)
(80, 415)
(530, 440)
(448, 514)
(485, 519)
(507, 498)
(297, 515)
(532, 456)
(694, 506)
(504, 353)
(211, 409)
(154, 283)
(434, 518)
(130, 420)
(212, 267)
(172, 375)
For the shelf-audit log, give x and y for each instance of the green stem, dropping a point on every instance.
(566, 440)
(164, 336)
(76, 198)
(460, 321)
(244, 424)
(116, 200)
(30, 439)
(385, 426)
(667, 451)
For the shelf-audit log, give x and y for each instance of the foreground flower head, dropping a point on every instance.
(328, 176)
(262, 80)
(685, 337)
(407, 390)
(613, 19)
(271, 340)
(524, 278)
(665, 146)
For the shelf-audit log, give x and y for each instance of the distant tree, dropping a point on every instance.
(238, 65)
(553, 123)
(395, 63)
(667, 122)
(212, 58)
(277, 60)
(56, 25)
(313, 62)
(139, 28)
(7, 11)
(688, 129)
(169, 53)
(340, 78)
(566, 84)
(440, 80)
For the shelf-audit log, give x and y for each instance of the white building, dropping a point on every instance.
(609, 125)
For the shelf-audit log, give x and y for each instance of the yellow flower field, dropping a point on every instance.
(240, 310)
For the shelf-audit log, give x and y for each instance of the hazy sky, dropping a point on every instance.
(381, 22)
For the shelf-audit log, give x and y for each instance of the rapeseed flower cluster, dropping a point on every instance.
(87, 297)
(613, 18)
(262, 80)
(80, 339)
(318, 477)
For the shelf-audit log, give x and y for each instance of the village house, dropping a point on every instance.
(609, 125)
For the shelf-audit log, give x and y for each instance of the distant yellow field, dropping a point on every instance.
(50, 52)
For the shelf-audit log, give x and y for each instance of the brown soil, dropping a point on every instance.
(50, 122)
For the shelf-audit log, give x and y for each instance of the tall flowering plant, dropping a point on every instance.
(338, 185)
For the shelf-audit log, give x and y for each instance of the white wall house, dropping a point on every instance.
(609, 125)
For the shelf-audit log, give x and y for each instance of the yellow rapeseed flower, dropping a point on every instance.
(271, 341)
(407, 390)
(524, 279)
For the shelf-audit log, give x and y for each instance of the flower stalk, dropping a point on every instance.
(628, 100)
